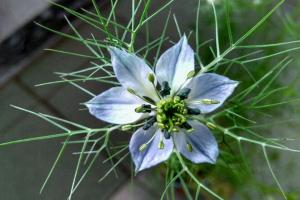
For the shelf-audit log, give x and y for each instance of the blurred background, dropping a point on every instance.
(24, 63)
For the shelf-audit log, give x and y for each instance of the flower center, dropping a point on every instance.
(171, 114)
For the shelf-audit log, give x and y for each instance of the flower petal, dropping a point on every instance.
(152, 154)
(116, 106)
(209, 86)
(175, 64)
(132, 72)
(203, 146)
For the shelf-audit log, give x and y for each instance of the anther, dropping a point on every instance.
(130, 90)
(142, 147)
(166, 90)
(191, 74)
(189, 147)
(167, 134)
(151, 78)
(184, 93)
(211, 125)
(187, 127)
(149, 123)
(175, 130)
(193, 111)
(143, 109)
(126, 127)
(161, 144)
(209, 101)
(149, 100)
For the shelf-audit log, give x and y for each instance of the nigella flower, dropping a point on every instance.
(166, 100)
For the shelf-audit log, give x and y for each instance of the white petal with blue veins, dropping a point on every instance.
(209, 86)
(116, 106)
(203, 146)
(175, 64)
(152, 154)
(132, 72)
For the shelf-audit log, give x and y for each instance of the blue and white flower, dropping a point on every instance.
(166, 99)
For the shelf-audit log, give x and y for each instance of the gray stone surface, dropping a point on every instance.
(14, 13)
(42, 70)
(12, 94)
(25, 166)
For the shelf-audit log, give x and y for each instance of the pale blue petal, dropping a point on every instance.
(204, 146)
(132, 72)
(152, 155)
(175, 64)
(116, 106)
(209, 86)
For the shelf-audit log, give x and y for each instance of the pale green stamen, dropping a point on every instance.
(209, 101)
(171, 113)
(189, 147)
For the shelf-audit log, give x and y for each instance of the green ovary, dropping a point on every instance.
(171, 114)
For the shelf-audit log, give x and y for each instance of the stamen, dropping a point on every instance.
(166, 90)
(211, 125)
(151, 78)
(191, 74)
(171, 114)
(143, 109)
(149, 123)
(167, 134)
(126, 127)
(161, 126)
(161, 144)
(149, 100)
(189, 147)
(187, 126)
(184, 93)
(209, 101)
(193, 111)
(143, 147)
(176, 130)
(132, 91)
(145, 98)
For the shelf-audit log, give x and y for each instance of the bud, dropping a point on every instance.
(151, 77)
(142, 147)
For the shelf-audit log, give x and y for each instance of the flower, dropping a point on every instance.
(166, 99)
